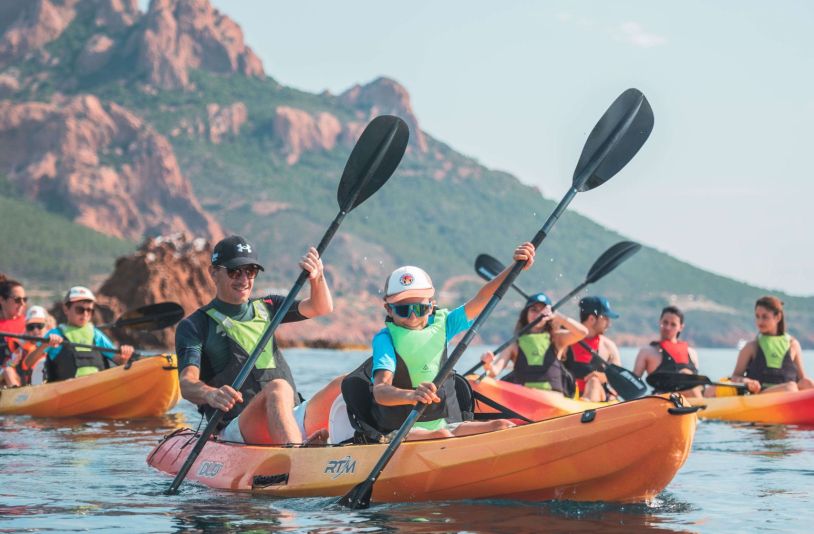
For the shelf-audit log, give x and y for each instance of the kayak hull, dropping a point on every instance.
(626, 453)
(783, 408)
(147, 389)
(535, 404)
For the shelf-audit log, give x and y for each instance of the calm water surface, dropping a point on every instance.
(58, 475)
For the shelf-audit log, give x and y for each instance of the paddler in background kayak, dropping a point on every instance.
(67, 361)
(30, 353)
(12, 319)
(773, 361)
(537, 356)
(213, 343)
(410, 350)
(595, 314)
(668, 354)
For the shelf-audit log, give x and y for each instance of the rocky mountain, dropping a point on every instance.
(127, 124)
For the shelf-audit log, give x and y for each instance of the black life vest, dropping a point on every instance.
(258, 377)
(578, 359)
(778, 371)
(674, 357)
(544, 371)
(71, 359)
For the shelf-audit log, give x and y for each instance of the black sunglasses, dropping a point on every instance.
(18, 300)
(404, 310)
(251, 271)
(34, 326)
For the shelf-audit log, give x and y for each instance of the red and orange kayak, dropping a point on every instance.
(782, 408)
(147, 389)
(622, 453)
(535, 404)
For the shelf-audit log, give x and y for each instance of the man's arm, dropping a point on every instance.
(197, 392)
(320, 301)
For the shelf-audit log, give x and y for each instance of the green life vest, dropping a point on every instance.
(83, 335)
(774, 349)
(248, 333)
(535, 346)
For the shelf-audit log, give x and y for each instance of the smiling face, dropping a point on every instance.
(231, 290)
(13, 306)
(670, 326)
(412, 322)
(767, 320)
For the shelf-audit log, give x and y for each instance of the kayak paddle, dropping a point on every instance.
(626, 384)
(682, 381)
(136, 353)
(615, 139)
(150, 317)
(371, 163)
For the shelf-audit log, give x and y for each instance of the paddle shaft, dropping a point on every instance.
(138, 320)
(446, 370)
(65, 341)
(279, 314)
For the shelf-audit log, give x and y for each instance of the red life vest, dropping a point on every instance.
(578, 360)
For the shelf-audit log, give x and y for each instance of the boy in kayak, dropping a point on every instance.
(213, 343)
(668, 354)
(595, 314)
(774, 360)
(537, 355)
(66, 360)
(412, 348)
(20, 370)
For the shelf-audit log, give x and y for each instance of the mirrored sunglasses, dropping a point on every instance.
(249, 270)
(34, 326)
(404, 310)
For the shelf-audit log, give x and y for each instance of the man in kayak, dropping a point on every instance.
(213, 343)
(595, 314)
(66, 360)
(412, 348)
(669, 355)
(12, 320)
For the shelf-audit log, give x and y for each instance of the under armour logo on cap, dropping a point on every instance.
(244, 248)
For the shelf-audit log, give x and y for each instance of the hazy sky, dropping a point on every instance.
(725, 181)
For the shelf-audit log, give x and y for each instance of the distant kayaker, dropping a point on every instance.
(774, 360)
(537, 357)
(216, 340)
(412, 348)
(12, 319)
(30, 353)
(68, 361)
(668, 354)
(595, 314)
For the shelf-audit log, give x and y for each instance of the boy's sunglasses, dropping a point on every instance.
(249, 270)
(34, 326)
(81, 310)
(404, 310)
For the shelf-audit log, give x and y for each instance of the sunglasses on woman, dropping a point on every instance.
(404, 310)
(18, 300)
(34, 326)
(249, 270)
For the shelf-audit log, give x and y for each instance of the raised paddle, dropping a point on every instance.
(626, 384)
(371, 163)
(607, 262)
(615, 139)
(682, 381)
(150, 317)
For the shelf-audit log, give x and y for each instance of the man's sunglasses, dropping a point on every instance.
(404, 310)
(249, 270)
(34, 326)
(81, 310)
(18, 300)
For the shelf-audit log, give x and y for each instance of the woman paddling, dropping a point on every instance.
(12, 319)
(774, 360)
(537, 356)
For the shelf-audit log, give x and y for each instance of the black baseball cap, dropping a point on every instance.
(597, 306)
(234, 251)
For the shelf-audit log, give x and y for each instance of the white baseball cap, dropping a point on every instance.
(407, 282)
(36, 314)
(77, 293)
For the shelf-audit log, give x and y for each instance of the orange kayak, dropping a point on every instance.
(148, 389)
(535, 404)
(624, 453)
(783, 408)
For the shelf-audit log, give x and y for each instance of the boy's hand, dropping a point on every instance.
(425, 392)
(525, 252)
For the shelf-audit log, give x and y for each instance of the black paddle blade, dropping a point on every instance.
(373, 160)
(151, 317)
(676, 381)
(615, 139)
(358, 497)
(611, 259)
(626, 384)
(488, 266)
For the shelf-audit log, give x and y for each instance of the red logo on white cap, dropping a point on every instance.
(406, 279)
